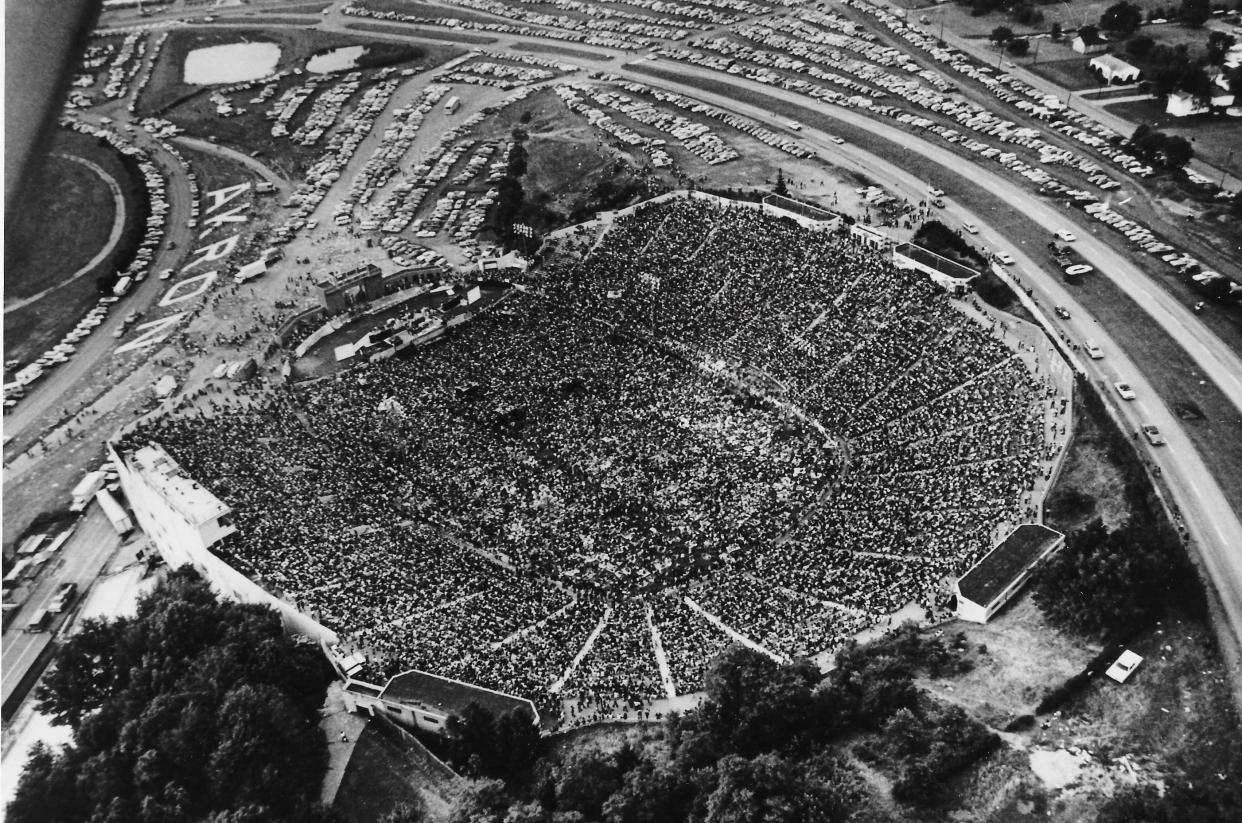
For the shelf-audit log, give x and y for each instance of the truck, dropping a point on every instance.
(115, 514)
(85, 490)
(122, 286)
(452, 105)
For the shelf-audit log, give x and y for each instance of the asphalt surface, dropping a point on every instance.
(81, 559)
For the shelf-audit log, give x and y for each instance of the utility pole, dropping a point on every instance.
(1224, 170)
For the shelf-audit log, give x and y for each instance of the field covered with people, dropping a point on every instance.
(586, 492)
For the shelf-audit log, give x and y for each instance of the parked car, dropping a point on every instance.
(970, 228)
(1093, 350)
(1004, 257)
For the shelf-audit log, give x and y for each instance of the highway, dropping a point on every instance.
(81, 559)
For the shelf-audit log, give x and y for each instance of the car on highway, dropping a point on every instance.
(1065, 235)
(1124, 390)
(936, 192)
(840, 141)
(1004, 257)
(970, 228)
(1062, 312)
(1093, 349)
(938, 203)
(1153, 435)
(1078, 268)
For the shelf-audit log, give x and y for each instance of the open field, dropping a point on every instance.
(50, 239)
(32, 261)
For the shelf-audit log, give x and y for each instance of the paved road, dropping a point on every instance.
(45, 398)
(82, 557)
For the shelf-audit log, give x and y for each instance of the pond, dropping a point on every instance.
(231, 63)
(332, 60)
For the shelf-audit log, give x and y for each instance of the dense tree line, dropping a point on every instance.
(196, 709)
(760, 748)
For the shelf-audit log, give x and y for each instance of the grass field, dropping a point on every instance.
(1071, 73)
(55, 237)
(51, 240)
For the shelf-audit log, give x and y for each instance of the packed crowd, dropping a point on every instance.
(716, 426)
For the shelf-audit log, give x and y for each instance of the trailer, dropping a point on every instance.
(85, 490)
(115, 514)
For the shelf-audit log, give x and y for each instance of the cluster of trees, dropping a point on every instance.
(938, 237)
(760, 747)
(194, 709)
(1113, 581)
(1121, 20)
(1026, 13)
(1160, 149)
(480, 744)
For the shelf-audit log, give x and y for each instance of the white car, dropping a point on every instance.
(1093, 350)
(1125, 391)
(1004, 257)
(1078, 268)
(936, 192)
(1066, 235)
(970, 228)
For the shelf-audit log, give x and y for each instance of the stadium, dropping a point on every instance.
(694, 424)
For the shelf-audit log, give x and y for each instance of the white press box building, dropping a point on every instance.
(185, 521)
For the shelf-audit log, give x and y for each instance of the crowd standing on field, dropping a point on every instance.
(715, 427)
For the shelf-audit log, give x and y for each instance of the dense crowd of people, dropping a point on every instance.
(716, 425)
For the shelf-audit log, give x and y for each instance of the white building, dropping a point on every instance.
(990, 583)
(184, 521)
(1114, 70)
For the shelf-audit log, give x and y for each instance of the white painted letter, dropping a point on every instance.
(151, 333)
(215, 251)
(174, 294)
(221, 196)
(230, 216)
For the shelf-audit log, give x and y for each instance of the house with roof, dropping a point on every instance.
(989, 584)
(1112, 69)
(1089, 41)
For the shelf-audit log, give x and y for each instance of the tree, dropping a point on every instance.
(1121, 19)
(409, 812)
(586, 778)
(200, 710)
(1056, 32)
(781, 187)
(1140, 46)
(481, 801)
(755, 705)
(1195, 12)
(1001, 35)
(1018, 46)
(1104, 581)
(1218, 44)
